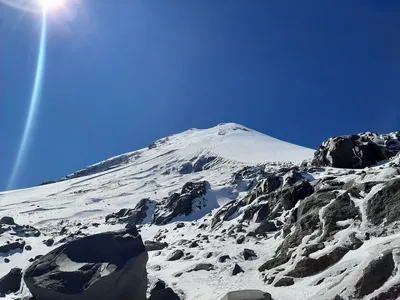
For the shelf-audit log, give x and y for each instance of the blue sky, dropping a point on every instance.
(120, 74)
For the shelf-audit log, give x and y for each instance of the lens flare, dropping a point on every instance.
(34, 104)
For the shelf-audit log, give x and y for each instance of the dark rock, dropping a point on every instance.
(313, 248)
(63, 231)
(375, 274)
(290, 196)
(12, 246)
(240, 239)
(193, 244)
(385, 204)
(177, 254)
(133, 216)
(158, 285)
(154, 245)
(393, 293)
(208, 255)
(48, 242)
(35, 258)
(248, 254)
(179, 274)
(186, 168)
(180, 225)
(95, 224)
(265, 227)
(280, 259)
(28, 247)
(202, 266)
(203, 163)
(7, 220)
(11, 282)
(262, 213)
(236, 270)
(191, 198)
(164, 294)
(6, 260)
(310, 266)
(356, 151)
(354, 242)
(284, 281)
(247, 295)
(223, 258)
(123, 254)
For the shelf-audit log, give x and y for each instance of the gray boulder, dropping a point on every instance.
(247, 295)
(177, 254)
(375, 274)
(106, 266)
(154, 245)
(11, 282)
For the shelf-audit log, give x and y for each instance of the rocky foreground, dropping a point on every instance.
(327, 228)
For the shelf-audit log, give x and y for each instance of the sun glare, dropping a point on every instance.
(50, 5)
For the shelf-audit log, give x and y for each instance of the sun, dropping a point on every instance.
(51, 5)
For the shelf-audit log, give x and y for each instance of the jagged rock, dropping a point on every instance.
(133, 216)
(12, 246)
(291, 195)
(342, 208)
(375, 274)
(310, 266)
(236, 270)
(11, 282)
(313, 248)
(280, 259)
(385, 204)
(248, 254)
(63, 230)
(208, 255)
(193, 244)
(186, 168)
(202, 266)
(177, 254)
(265, 227)
(223, 258)
(354, 242)
(247, 295)
(393, 293)
(154, 245)
(110, 266)
(356, 151)
(190, 199)
(203, 163)
(7, 220)
(284, 281)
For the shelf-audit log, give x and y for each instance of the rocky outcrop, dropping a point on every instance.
(134, 216)
(284, 281)
(160, 291)
(108, 266)
(375, 274)
(385, 204)
(247, 295)
(357, 151)
(10, 282)
(190, 199)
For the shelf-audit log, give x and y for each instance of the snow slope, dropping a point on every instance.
(87, 196)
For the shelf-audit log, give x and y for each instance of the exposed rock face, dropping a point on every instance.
(11, 282)
(375, 274)
(385, 204)
(310, 266)
(247, 295)
(190, 199)
(292, 194)
(284, 281)
(105, 266)
(133, 216)
(357, 151)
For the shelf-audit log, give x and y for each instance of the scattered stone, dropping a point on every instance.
(208, 255)
(95, 224)
(375, 274)
(179, 274)
(49, 242)
(236, 270)
(6, 260)
(28, 247)
(247, 295)
(180, 225)
(63, 230)
(240, 239)
(223, 258)
(193, 244)
(175, 255)
(154, 245)
(248, 254)
(11, 282)
(284, 281)
(202, 266)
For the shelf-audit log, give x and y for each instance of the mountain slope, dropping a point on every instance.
(218, 192)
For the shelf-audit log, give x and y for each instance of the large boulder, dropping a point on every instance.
(247, 295)
(10, 282)
(106, 266)
(375, 274)
(357, 151)
(292, 194)
(385, 204)
(189, 200)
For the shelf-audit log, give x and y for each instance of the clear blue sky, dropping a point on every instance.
(122, 73)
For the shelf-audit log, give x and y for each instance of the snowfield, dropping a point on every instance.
(80, 202)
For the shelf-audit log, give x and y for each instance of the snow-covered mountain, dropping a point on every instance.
(229, 198)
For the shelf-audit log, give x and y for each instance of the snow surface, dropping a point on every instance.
(121, 182)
